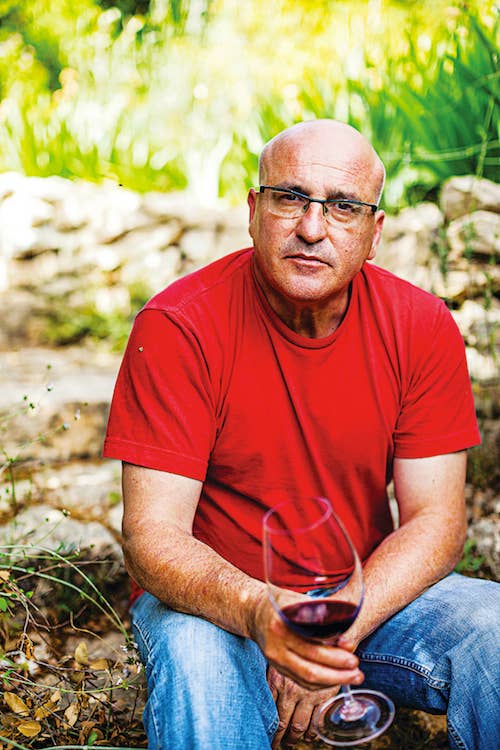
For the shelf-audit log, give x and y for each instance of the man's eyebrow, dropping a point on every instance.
(343, 195)
(332, 196)
(291, 186)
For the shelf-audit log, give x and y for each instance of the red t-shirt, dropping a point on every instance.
(214, 386)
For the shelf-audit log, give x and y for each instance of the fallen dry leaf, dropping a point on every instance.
(82, 654)
(27, 647)
(4, 575)
(16, 704)
(43, 711)
(55, 697)
(77, 677)
(99, 664)
(29, 728)
(86, 730)
(71, 714)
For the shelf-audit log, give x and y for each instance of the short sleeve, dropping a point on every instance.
(438, 413)
(162, 414)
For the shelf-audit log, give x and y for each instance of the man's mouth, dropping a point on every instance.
(306, 259)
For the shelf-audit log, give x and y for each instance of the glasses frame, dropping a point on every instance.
(325, 202)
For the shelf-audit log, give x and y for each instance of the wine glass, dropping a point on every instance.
(315, 583)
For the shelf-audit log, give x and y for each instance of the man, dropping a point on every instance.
(296, 367)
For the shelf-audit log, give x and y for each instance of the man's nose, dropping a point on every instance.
(312, 226)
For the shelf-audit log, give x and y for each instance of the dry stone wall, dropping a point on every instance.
(80, 243)
(68, 244)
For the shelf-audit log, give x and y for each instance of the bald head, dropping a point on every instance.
(324, 142)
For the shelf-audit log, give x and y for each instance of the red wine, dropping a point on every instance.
(320, 619)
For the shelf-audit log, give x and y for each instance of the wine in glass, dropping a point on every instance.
(315, 583)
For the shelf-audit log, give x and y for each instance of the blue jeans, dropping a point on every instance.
(207, 688)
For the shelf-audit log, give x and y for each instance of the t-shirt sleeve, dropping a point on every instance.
(438, 413)
(162, 411)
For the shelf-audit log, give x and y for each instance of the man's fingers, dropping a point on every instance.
(311, 732)
(299, 723)
(314, 676)
(285, 707)
(331, 656)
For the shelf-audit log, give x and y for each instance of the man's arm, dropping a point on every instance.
(164, 558)
(425, 547)
(427, 544)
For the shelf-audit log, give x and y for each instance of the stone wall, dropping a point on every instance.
(79, 243)
(66, 244)
(76, 242)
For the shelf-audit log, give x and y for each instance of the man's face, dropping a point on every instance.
(310, 262)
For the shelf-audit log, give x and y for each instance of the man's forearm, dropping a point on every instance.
(405, 564)
(165, 559)
(190, 577)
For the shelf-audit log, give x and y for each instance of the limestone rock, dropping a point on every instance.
(229, 240)
(156, 269)
(482, 367)
(44, 526)
(461, 195)
(197, 244)
(111, 210)
(136, 244)
(478, 324)
(179, 205)
(478, 281)
(476, 233)
(10, 182)
(55, 406)
(407, 242)
(20, 215)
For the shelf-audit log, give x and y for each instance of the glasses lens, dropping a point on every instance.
(287, 205)
(345, 212)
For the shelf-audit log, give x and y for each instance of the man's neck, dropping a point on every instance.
(312, 319)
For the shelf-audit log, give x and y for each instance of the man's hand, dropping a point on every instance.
(312, 665)
(296, 706)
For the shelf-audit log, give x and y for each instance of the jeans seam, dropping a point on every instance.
(456, 737)
(147, 665)
(144, 640)
(406, 664)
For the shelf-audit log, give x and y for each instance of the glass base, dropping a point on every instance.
(344, 722)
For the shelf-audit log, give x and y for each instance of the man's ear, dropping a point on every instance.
(377, 234)
(252, 202)
(252, 205)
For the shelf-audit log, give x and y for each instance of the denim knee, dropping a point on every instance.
(206, 687)
(440, 654)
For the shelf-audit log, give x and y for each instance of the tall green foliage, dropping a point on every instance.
(169, 94)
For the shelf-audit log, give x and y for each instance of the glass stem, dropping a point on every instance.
(348, 696)
(351, 710)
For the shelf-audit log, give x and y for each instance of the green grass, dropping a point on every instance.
(172, 98)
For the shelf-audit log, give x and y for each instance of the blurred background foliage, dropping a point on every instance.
(181, 94)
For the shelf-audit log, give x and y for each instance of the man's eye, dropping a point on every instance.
(345, 206)
(287, 197)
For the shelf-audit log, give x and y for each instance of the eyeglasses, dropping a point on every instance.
(290, 204)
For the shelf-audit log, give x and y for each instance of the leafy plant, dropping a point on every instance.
(51, 694)
(66, 323)
(471, 561)
(176, 94)
(61, 682)
(14, 459)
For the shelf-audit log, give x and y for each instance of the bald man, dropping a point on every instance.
(299, 368)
